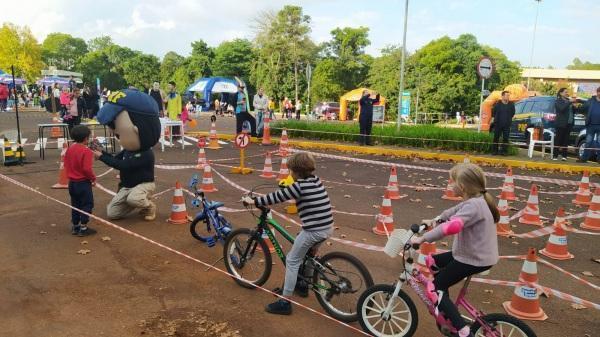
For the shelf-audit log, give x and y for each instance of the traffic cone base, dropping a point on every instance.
(179, 213)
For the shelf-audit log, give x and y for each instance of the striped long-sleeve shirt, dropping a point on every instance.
(314, 207)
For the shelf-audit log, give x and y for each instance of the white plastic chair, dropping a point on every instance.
(533, 142)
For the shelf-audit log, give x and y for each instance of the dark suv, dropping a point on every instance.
(539, 110)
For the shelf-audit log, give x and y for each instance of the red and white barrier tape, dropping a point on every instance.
(158, 244)
(354, 214)
(105, 173)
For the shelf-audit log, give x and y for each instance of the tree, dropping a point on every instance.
(324, 83)
(21, 49)
(141, 70)
(96, 64)
(199, 62)
(284, 50)
(383, 77)
(100, 43)
(63, 50)
(577, 64)
(233, 58)
(169, 65)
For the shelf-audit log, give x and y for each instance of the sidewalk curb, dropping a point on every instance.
(404, 153)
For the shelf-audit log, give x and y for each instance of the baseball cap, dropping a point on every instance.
(127, 99)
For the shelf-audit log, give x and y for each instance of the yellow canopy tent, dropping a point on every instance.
(354, 96)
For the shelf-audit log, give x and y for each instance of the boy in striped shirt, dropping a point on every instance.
(314, 209)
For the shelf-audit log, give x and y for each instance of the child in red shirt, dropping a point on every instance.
(78, 163)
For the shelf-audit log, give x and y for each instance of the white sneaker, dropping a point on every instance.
(554, 158)
(564, 158)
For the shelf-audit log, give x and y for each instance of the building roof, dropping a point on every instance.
(52, 71)
(561, 74)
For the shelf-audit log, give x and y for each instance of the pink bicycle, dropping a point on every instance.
(386, 310)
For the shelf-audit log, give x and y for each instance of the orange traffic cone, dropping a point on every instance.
(265, 237)
(503, 225)
(583, 196)
(207, 180)
(283, 144)
(525, 301)
(266, 139)
(268, 170)
(425, 249)
(560, 220)
(531, 213)
(556, 248)
(179, 214)
(392, 188)
(385, 218)
(592, 219)
(508, 188)
(284, 172)
(449, 193)
(63, 180)
(201, 159)
(213, 142)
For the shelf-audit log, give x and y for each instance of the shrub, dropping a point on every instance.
(418, 136)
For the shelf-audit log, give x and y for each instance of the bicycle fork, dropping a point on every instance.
(387, 312)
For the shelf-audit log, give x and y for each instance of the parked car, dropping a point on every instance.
(327, 110)
(539, 111)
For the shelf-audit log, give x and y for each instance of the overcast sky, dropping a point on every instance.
(566, 28)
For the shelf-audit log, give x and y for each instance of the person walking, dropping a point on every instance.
(502, 113)
(74, 109)
(261, 106)
(3, 97)
(298, 108)
(241, 112)
(366, 117)
(563, 123)
(65, 99)
(592, 125)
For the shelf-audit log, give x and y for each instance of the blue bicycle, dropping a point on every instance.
(208, 225)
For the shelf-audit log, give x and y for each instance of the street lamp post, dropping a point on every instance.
(537, 11)
(402, 65)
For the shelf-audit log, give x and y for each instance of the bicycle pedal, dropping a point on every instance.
(211, 242)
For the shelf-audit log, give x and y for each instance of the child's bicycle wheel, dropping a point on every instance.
(201, 229)
(402, 321)
(247, 258)
(504, 325)
(340, 282)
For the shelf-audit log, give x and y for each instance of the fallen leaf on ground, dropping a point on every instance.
(486, 302)
(84, 251)
(105, 238)
(515, 243)
(343, 236)
(429, 206)
(336, 227)
(489, 291)
(348, 180)
(587, 273)
(344, 174)
(596, 260)
(375, 206)
(444, 243)
(364, 240)
(329, 243)
(577, 306)
(346, 195)
(415, 200)
(43, 232)
(84, 242)
(52, 225)
(167, 262)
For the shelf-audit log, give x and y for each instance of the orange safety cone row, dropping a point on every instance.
(525, 301)
(556, 247)
(283, 144)
(213, 142)
(268, 169)
(284, 172)
(531, 213)
(425, 249)
(583, 196)
(179, 213)
(266, 139)
(201, 159)
(503, 225)
(393, 188)
(207, 180)
(385, 218)
(592, 218)
(449, 193)
(63, 179)
(508, 188)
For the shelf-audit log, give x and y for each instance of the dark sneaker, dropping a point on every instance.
(75, 229)
(85, 231)
(279, 307)
(301, 289)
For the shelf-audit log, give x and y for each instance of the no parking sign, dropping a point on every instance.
(242, 140)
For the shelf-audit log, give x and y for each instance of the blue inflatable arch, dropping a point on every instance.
(210, 85)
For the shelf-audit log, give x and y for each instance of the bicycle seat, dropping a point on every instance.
(215, 204)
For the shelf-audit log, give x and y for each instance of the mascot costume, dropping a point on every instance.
(133, 117)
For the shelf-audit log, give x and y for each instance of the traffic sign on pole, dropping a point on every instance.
(485, 67)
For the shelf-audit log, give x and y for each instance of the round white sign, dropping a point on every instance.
(485, 67)
(242, 140)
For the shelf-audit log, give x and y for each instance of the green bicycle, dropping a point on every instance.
(336, 278)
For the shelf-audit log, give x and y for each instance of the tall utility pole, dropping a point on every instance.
(537, 11)
(402, 65)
